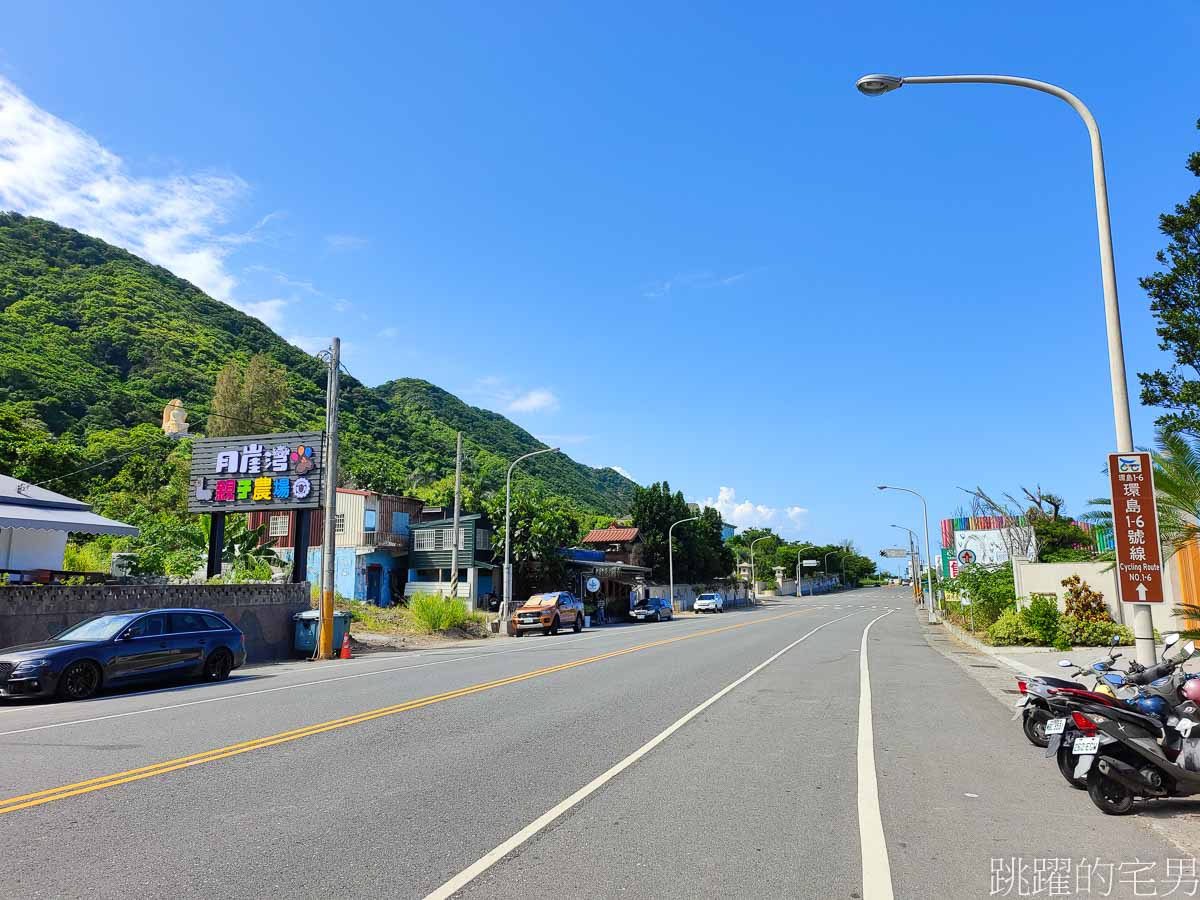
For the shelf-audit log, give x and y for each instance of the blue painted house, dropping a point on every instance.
(372, 542)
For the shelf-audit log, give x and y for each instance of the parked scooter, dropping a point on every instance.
(1034, 708)
(1153, 696)
(1146, 756)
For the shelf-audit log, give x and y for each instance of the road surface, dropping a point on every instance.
(735, 755)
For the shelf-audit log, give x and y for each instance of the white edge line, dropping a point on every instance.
(876, 869)
(469, 874)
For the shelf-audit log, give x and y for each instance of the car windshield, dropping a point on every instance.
(100, 628)
(708, 596)
(541, 600)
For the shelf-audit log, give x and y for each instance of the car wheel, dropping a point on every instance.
(553, 626)
(79, 681)
(578, 626)
(218, 665)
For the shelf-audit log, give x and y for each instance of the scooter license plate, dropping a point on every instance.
(1084, 745)
(1056, 726)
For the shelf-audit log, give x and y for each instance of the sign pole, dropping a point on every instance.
(329, 538)
(216, 543)
(1136, 541)
(454, 530)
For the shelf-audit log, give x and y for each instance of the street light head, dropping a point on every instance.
(881, 487)
(878, 85)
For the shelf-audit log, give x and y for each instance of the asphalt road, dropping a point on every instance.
(713, 757)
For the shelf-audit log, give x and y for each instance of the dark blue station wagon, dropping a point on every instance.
(123, 648)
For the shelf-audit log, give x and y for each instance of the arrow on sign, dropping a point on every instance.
(1141, 592)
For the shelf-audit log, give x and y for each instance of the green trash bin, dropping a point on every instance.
(307, 625)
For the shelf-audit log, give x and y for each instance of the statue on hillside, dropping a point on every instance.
(174, 423)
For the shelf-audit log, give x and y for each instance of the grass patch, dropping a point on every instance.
(432, 614)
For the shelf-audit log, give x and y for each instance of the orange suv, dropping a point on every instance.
(548, 612)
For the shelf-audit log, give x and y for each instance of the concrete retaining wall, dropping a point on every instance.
(263, 611)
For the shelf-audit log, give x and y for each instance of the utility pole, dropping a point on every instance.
(454, 533)
(329, 538)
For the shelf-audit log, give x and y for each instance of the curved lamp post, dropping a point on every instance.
(878, 85)
(914, 556)
(932, 601)
(506, 606)
(753, 592)
(671, 555)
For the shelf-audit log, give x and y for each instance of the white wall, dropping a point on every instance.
(1047, 578)
(29, 548)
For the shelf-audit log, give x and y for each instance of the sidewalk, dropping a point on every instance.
(995, 668)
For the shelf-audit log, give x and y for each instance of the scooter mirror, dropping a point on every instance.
(1065, 664)
(1116, 639)
(1170, 639)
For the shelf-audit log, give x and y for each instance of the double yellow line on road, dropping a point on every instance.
(25, 801)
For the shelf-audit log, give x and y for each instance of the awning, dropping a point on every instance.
(50, 518)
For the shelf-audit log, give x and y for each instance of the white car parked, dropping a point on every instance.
(709, 603)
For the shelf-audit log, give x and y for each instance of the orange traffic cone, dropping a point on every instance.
(345, 654)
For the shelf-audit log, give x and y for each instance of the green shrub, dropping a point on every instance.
(1011, 629)
(1080, 633)
(1041, 615)
(1083, 603)
(89, 557)
(991, 591)
(432, 613)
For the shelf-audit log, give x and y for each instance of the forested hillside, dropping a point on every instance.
(94, 341)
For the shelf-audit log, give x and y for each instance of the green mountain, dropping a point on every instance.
(92, 338)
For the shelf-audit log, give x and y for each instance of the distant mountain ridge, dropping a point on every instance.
(92, 336)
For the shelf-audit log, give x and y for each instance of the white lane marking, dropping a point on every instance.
(473, 871)
(548, 645)
(876, 870)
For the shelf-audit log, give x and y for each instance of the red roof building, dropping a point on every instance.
(620, 544)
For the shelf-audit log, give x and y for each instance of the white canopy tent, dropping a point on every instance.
(35, 522)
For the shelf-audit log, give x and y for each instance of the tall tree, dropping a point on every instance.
(248, 400)
(1175, 302)
(542, 525)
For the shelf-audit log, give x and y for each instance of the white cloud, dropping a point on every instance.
(691, 280)
(497, 392)
(621, 471)
(537, 400)
(282, 278)
(269, 312)
(390, 332)
(308, 343)
(53, 170)
(746, 514)
(338, 242)
(797, 515)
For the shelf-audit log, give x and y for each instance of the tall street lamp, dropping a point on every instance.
(932, 601)
(671, 554)
(877, 85)
(914, 558)
(753, 591)
(506, 606)
(825, 562)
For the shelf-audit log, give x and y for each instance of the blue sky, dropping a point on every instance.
(672, 237)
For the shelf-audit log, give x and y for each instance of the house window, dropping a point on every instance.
(369, 520)
(339, 523)
(399, 522)
(279, 526)
(447, 539)
(424, 540)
